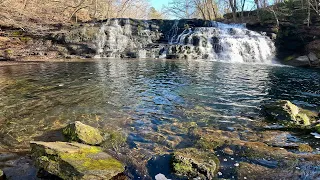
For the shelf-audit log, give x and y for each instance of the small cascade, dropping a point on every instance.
(122, 38)
(117, 38)
(222, 42)
(173, 31)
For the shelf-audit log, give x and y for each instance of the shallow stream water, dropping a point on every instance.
(138, 97)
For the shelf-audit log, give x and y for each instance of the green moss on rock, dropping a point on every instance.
(317, 127)
(75, 161)
(192, 163)
(80, 132)
(289, 114)
(114, 139)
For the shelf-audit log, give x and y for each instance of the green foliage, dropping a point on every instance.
(16, 33)
(25, 39)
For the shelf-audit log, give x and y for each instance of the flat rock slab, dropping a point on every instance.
(75, 160)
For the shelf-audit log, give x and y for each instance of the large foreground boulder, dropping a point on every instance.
(75, 161)
(80, 132)
(289, 114)
(193, 163)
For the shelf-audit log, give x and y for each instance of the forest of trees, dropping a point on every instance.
(61, 11)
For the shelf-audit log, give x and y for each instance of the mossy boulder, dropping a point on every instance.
(289, 114)
(75, 161)
(317, 128)
(2, 175)
(80, 132)
(192, 163)
(114, 140)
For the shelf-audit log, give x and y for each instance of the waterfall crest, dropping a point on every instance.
(216, 41)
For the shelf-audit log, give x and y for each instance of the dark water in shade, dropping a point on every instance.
(138, 96)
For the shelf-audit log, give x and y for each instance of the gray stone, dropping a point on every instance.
(72, 161)
(313, 57)
(300, 61)
(314, 61)
(273, 36)
(161, 177)
(80, 132)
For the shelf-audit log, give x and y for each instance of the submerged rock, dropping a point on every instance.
(2, 175)
(253, 171)
(289, 114)
(318, 128)
(75, 160)
(193, 163)
(80, 132)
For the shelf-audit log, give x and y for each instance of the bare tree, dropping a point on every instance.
(181, 8)
(233, 6)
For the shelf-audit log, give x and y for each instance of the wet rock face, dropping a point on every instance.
(288, 113)
(83, 133)
(193, 163)
(75, 161)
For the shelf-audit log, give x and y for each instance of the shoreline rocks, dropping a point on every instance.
(80, 132)
(193, 163)
(75, 160)
(290, 115)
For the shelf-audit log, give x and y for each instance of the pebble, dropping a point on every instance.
(316, 135)
(220, 173)
(161, 177)
(236, 164)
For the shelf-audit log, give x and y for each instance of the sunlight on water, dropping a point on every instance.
(143, 98)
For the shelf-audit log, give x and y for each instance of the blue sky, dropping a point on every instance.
(158, 3)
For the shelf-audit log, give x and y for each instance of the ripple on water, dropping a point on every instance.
(146, 98)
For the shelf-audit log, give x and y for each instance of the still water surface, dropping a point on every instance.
(138, 96)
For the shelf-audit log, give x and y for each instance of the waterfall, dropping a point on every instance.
(118, 38)
(121, 38)
(173, 31)
(223, 42)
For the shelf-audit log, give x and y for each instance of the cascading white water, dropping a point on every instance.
(224, 42)
(116, 39)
